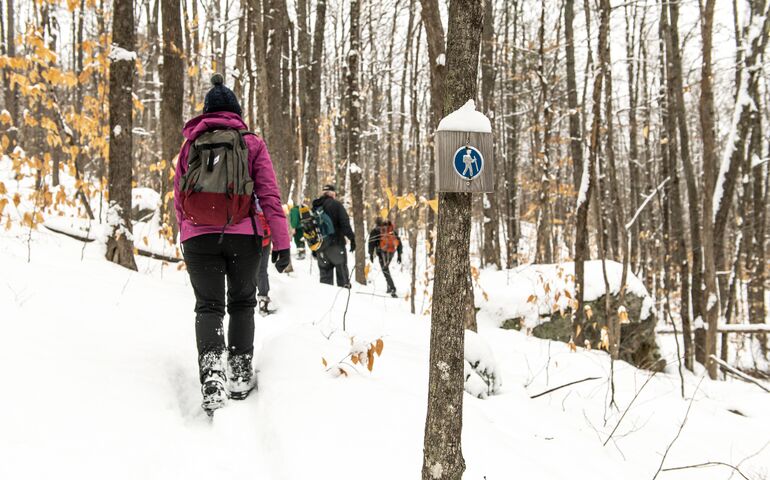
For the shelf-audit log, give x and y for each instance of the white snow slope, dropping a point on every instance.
(100, 381)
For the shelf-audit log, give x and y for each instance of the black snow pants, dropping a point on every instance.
(263, 282)
(210, 263)
(385, 259)
(334, 259)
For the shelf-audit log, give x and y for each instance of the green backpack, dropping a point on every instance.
(217, 188)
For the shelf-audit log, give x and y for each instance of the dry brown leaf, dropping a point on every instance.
(370, 358)
(323, 360)
(378, 346)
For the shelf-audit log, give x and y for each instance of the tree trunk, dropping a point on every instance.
(581, 173)
(545, 247)
(708, 136)
(673, 199)
(674, 56)
(434, 32)
(511, 183)
(120, 247)
(11, 92)
(278, 131)
(313, 106)
(490, 253)
(354, 141)
(172, 98)
(442, 452)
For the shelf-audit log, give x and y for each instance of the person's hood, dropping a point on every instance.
(211, 121)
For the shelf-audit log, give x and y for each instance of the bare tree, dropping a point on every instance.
(120, 247)
(172, 97)
(354, 142)
(442, 452)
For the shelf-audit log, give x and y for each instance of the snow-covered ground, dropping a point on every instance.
(100, 382)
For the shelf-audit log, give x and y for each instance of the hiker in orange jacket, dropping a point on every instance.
(385, 242)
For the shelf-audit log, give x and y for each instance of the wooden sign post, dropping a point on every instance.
(464, 162)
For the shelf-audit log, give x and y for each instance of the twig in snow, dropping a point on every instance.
(629, 407)
(681, 427)
(708, 464)
(565, 385)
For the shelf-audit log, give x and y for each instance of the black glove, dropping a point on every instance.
(399, 259)
(313, 253)
(281, 259)
(352, 244)
(371, 257)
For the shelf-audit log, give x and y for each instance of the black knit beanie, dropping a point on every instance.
(220, 98)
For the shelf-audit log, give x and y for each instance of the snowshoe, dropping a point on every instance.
(265, 308)
(214, 392)
(241, 379)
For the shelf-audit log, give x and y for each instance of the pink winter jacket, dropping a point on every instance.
(260, 169)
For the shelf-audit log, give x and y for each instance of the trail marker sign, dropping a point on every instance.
(464, 161)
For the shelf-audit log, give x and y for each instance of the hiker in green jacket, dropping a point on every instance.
(296, 231)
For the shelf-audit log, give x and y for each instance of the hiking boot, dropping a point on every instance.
(242, 379)
(213, 391)
(392, 292)
(212, 376)
(264, 305)
(301, 254)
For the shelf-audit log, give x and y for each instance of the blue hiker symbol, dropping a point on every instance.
(468, 162)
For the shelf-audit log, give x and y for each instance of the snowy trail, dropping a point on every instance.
(104, 383)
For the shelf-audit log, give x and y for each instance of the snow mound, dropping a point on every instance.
(466, 119)
(145, 199)
(482, 378)
(535, 290)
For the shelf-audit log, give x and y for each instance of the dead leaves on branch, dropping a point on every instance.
(361, 353)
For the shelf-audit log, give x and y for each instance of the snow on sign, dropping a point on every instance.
(464, 155)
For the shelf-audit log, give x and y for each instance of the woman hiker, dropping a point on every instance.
(222, 169)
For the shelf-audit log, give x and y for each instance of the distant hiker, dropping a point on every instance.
(222, 167)
(331, 255)
(385, 242)
(296, 230)
(263, 282)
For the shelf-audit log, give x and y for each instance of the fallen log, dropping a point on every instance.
(729, 328)
(139, 251)
(738, 373)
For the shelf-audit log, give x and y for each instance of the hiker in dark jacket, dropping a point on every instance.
(385, 242)
(226, 254)
(332, 258)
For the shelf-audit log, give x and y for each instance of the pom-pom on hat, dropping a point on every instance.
(220, 98)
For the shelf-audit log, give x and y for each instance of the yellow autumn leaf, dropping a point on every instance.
(323, 360)
(392, 201)
(3, 189)
(3, 203)
(16, 199)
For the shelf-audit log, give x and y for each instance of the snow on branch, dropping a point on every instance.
(120, 54)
